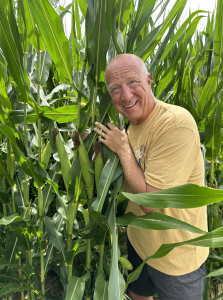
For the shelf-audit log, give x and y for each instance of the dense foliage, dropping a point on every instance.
(61, 203)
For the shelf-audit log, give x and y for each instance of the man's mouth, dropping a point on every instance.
(127, 106)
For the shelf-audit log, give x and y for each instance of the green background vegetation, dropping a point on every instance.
(61, 203)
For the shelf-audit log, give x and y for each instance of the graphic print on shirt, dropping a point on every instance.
(140, 156)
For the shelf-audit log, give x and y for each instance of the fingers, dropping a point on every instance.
(104, 128)
(99, 132)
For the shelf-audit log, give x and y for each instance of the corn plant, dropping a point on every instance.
(61, 203)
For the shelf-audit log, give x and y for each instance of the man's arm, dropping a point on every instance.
(118, 142)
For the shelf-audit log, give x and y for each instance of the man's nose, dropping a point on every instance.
(126, 93)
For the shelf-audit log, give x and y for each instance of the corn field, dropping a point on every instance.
(61, 204)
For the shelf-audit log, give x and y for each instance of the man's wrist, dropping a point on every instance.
(124, 152)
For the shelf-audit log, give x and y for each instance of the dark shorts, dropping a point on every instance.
(151, 281)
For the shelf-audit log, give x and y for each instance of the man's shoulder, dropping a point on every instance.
(170, 116)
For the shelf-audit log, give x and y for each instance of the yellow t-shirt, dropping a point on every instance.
(167, 148)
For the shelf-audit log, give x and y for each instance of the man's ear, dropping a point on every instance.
(148, 79)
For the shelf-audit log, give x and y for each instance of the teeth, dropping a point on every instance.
(131, 105)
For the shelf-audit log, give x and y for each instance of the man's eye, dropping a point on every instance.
(115, 90)
(132, 82)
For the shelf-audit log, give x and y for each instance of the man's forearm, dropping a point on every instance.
(132, 171)
(135, 177)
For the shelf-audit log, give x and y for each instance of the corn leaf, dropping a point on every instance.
(184, 196)
(4, 99)
(4, 198)
(61, 114)
(45, 65)
(12, 288)
(105, 103)
(206, 98)
(11, 53)
(101, 288)
(216, 273)
(144, 10)
(213, 137)
(57, 44)
(55, 236)
(156, 221)
(5, 173)
(26, 164)
(116, 285)
(211, 239)
(75, 288)
(179, 33)
(148, 44)
(104, 184)
(100, 36)
(218, 34)
(32, 31)
(83, 6)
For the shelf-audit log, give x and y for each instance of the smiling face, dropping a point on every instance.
(130, 88)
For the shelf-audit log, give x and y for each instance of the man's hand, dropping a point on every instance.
(115, 139)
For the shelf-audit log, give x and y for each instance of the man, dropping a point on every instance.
(161, 150)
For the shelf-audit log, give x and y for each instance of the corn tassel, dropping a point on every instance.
(64, 161)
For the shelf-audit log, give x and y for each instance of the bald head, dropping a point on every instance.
(126, 58)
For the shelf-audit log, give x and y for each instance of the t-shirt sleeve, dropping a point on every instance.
(171, 157)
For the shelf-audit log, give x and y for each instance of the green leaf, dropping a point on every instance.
(5, 173)
(144, 10)
(55, 40)
(156, 221)
(32, 31)
(9, 219)
(76, 48)
(212, 239)
(11, 248)
(213, 138)
(148, 44)
(16, 277)
(104, 105)
(163, 46)
(45, 65)
(100, 37)
(12, 288)
(179, 33)
(4, 198)
(11, 53)
(101, 288)
(51, 249)
(104, 184)
(4, 99)
(83, 6)
(61, 205)
(60, 114)
(76, 286)
(26, 164)
(207, 94)
(168, 75)
(116, 285)
(218, 34)
(184, 196)
(216, 273)
(4, 263)
(55, 236)
(122, 12)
